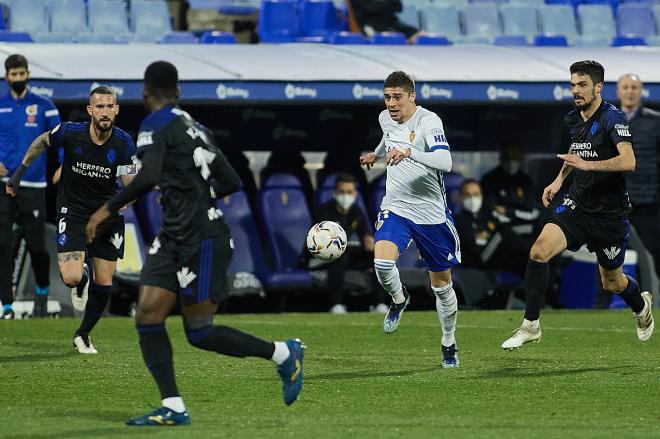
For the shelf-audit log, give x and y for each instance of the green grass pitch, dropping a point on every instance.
(589, 378)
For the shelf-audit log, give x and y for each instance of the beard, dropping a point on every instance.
(586, 104)
(103, 128)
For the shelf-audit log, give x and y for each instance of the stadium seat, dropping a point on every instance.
(107, 17)
(204, 4)
(635, 19)
(15, 37)
(558, 20)
(68, 17)
(344, 37)
(179, 38)
(28, 17)
(527, 2)
(409, 15)
(441, 3)
(481, 20)
(239, 7)
(318, 18)
(511, 40)
(611, 3)
(432, 40)
(519, 19)
(592, 42)
(441, 20)
(150, 20)
(656, 14)
(388, 38)
(596, 21)
(278, 21)
(474, 39)
(281, 179)
(624, 40)
(550, 40)
(217, 37)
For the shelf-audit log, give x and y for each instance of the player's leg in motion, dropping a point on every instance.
(386, 254)
(75, 275)
(550, 242)
(447, 306)
(98, 298)
(627, 287)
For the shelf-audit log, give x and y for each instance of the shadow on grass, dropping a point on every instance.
(349, 375)
(535, 372)
(119, 431)
(36, 356)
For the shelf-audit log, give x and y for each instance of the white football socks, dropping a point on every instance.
(447, 307)
(388, 276)
(281, 353)
(174, 403)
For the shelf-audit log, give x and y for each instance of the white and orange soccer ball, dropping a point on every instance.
(326, 241)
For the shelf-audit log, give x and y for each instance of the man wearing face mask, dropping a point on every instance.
(23, 116)
(343, 210)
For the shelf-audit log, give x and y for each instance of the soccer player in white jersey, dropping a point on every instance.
(415, 206)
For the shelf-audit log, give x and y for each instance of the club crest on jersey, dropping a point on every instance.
(412, 136)
(31, 111)
(111, 156)
(594, 127)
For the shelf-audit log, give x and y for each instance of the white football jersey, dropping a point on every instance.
(413, 190)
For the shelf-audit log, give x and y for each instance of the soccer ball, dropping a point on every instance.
(326, 240)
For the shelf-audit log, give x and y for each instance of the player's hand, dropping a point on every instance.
(576, 162)
(368, 159)
(10, 190)
(102, 214)
(550, 191)
(396, 156)
(57, 175)
(3, 170)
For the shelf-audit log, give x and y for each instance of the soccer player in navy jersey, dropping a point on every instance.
(23, 116)
(595, 210)
(95, 154)
(187, 262)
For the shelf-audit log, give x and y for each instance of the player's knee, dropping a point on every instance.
(149, 315)
(71, 279)
(199, 337)
(539, 252)
(612, 283)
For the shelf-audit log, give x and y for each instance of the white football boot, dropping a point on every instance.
(645, 322)
(524, 334)
(84, 344)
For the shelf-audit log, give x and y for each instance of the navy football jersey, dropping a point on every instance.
(596, 140)
(89, 171)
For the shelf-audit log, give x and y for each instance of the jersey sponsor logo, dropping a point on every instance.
(294, 91)
(117, 240)
(227, 92)
(111, 156)
(429, 91)
(93, 171)
(594, 127)
(185, 276)
(622, 130)
(495, 93)
(145, 138)
(612, 252)
(361, 91)
(583, 149)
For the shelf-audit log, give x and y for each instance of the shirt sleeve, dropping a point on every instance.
(56, 135)
(618, 129)
(434, 134)
(52, 115)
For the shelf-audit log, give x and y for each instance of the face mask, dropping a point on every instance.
(345, 200)
(511, 167)
(473, 204)
(18, 86)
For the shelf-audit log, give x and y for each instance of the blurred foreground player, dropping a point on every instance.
(187, 262)
(95, 154)
(595, 211)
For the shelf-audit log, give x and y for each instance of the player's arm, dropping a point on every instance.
(370, 158)
(624, 162)
(37, 147)
(437, 155)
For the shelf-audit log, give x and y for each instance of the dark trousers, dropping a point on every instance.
(646, 219)
(355, 258)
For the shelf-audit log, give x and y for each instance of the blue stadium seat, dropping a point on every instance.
(204, 4)
(635, 19)
(432, 40)
(15, 37)
(377, 194)
(239, 7)
(248, 253)
(624, 40)
(388, 38)
(481, 20)
(550, 40)
(286, 220)
(28, 17)
(344, 37)
(217, 37)
(150, 20)
(68, 17)
(442, 20)
(318, 18)
(527, 2)
(151, 215)
(596, 21)
(278, 21)
(281, 179)
(648, 2)
(511, 40)
(572, 3)
(409, 15)
(558, 20)
(108, 17)
(611, 3)
(519, 19)
(179, 38)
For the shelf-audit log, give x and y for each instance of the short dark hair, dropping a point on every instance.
(468, 181)
(15, 61)
(345, 178)
(400, 79)
(102, 90)
(591, 68)
(162, 78)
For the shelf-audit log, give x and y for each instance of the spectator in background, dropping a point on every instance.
(343, 210)
(380, 16)
(642, 184)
